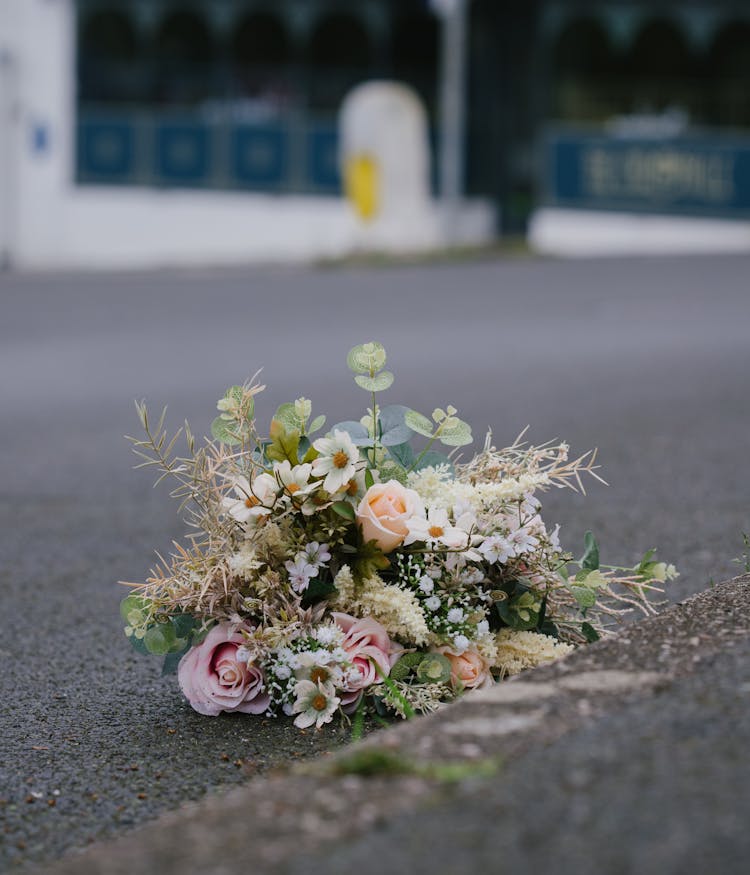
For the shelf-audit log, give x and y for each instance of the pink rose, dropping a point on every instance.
(383, 513)
(469, 667)
(370, 651)
(213, 680)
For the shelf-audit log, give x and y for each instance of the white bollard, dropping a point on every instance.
(385, 165)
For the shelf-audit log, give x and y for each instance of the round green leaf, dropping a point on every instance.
(377, 383)
(434, 669)
(366, 358)
(222, 431)
(159, 639)
(418, 423)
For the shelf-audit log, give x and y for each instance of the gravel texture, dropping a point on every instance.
(648, 358)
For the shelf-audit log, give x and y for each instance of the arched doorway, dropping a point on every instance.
(108, 56)
(340, 54)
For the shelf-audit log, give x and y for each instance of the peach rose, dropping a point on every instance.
(214, 680)
(469, 667)
(383, 513)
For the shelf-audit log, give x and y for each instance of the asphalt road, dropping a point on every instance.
(646, 359)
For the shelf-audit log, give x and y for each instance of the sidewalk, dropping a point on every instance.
(630, 756)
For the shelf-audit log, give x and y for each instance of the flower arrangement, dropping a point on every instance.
(354, 572)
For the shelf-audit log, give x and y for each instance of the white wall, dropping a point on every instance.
(47, 222)
(585, 233)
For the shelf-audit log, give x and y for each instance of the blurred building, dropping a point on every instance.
(156, 98)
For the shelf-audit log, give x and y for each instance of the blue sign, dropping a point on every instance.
(323, 159)
(689, 176)
(259, 156)
(183, 153)
(106, 151)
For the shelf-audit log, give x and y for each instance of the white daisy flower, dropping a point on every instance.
(295, 480)
(316, 703)
(253, 501)
(337, 461)
(318, 667)
(436, 529)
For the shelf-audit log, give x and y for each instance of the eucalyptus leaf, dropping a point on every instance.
(403, 454)
(378, 383)
(223, 431)
(287, 416)
(418, 423)
(317, 424)
(366, 358)
(458, 434)
(159, 639)
(585, 597)
(434, 669)
(433, 459)
(356, 431)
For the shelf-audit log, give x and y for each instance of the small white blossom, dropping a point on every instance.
(426, 584)
(300, 574)
(283, 672)
(460, 644)
(433, 603)
(483, 628)
(496, 549)
(455, 615)
(315, 554)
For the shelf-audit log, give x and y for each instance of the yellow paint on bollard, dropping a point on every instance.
(362, 185)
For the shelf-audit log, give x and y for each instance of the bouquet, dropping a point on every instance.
(358, 572)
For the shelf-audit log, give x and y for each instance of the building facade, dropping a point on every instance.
(217, 96)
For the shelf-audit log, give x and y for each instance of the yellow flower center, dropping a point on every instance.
(340, 459)
(351, 487)
(292, 488)
(319, 702)
(319, 674)
(252, 501)
(436, 531)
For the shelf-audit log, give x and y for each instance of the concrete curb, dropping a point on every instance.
(276, 823)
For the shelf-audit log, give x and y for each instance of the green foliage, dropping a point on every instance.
(590, 633)
(317, 590)
(378, 383)
(226, 432)
(344, 509)
(366, 358)
(284, 444)
(432, 458)
(234, 423)
(408, 663)
(590, 558)
(369, 559)
(418, 423)
(294, 416)
(434, 669)
(522, 609)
